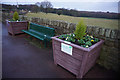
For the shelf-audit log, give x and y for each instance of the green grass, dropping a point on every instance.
(100, 22)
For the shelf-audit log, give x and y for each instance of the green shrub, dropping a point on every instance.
(88, 43)
(59, 12)
(96, 40)
(70, 39)
(15, 16)
(81, 41)
(85, 42)
(80, 30)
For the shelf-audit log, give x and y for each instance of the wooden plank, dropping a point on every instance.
(78, 54)
(66, 66)
(67, 58)
(93, 55)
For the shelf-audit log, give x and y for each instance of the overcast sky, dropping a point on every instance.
(59, 0)
(82, 5)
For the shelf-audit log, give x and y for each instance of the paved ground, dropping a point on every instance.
(24, 60)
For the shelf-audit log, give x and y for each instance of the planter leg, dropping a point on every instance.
(79, 76)
(55, 63)
(13, 34)
(9, 33)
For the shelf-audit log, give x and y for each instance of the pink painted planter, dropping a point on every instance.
(81, 60)
(15, 27)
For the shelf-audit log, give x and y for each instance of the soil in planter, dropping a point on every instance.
(86, 42)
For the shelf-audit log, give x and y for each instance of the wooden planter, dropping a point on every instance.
(15, 27)
(80, 61)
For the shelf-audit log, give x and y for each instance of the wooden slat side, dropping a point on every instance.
(66, 66)
(76, 52)
(68, 58)
(92, 57)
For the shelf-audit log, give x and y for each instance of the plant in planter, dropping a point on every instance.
(15, 25)
(76, 52)
(15, 16)
(79, 37)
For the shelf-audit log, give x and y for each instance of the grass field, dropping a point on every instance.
(100, 22)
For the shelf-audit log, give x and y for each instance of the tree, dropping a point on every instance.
(15, 16)
(41, 9)
(46, 5)
(38, 4)
(80, 30)
(59, 12)
(35, 8)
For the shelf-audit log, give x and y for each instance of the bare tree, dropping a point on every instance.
(38, 4)
(46, 5)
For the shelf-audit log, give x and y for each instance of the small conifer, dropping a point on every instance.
(80, 30)
(15, 16)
